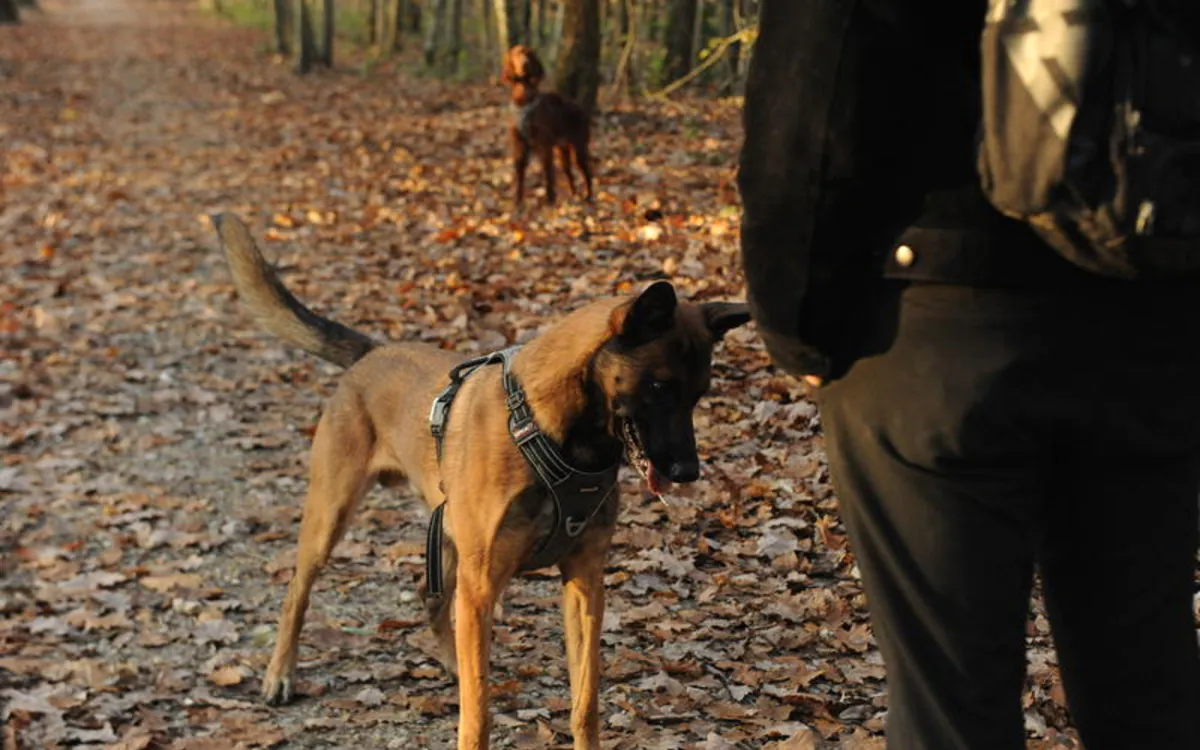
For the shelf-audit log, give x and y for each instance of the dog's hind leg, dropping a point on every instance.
(579, 144)
(564, 160)
(338, 479)
(547, 156)
(583, 614)
(440, 607)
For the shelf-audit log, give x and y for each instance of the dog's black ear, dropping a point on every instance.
(533, 69)
(650, 316)
(722, 317)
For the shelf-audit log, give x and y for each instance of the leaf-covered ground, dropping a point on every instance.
(154, 443)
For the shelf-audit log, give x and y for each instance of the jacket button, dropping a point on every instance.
(905, 256)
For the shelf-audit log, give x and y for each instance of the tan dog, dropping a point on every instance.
(544, 124)
(619, 375)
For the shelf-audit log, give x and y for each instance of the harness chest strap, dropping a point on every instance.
(577, 495)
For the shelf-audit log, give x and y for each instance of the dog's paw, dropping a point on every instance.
(276, 690)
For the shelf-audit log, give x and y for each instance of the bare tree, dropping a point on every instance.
(306, 48)
(434, 32)
(487, 42)
(454, 48)
(283, 27)
(504, 28)
(681, 21)
(406, 19)
(537, 24)
(8, 12)
(399, 25)
(622, 79)
(556, 31)
(326, 52)
(698, 29)
(577, 69)
(730, 18)
(524, 11)
(412, 14)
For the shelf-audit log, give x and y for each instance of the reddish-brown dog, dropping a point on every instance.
(544, 123)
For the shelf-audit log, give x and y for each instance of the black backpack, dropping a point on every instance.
(1091, 129)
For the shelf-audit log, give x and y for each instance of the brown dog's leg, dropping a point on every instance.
(580, 147)
(564, 160)
(583, 614)
(338, 479)
(483, 571)
(439, 610)
(547, 157)
(520, 151)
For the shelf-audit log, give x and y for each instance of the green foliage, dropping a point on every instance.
(655, 62)
(258, 15)
(351, 21)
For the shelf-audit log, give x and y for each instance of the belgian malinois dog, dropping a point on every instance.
(616, 378)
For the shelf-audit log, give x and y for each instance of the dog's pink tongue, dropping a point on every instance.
(658, 483)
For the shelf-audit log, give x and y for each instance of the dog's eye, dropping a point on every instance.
(658, 385)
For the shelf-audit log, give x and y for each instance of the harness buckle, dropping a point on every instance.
(574, 527)
(523, 431)
(516, 399)
(438, 414)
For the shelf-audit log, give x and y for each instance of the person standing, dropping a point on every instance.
(989, 407)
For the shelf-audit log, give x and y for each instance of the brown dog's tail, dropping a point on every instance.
(274, 307)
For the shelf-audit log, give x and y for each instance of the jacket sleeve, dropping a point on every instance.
(824, 119)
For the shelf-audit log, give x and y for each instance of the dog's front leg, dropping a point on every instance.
(520, 155)
(482, 575)
(583, 612)
(473, 642)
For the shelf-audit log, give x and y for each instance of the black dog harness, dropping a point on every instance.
(578, 495)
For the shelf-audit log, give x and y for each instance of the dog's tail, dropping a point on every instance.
(274, 307)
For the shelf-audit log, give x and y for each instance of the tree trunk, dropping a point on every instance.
(399, 22)
(524, 13)
(8, 12)
(504, 30)
(556, 31)
(381, 20)
(433, 32)
(326, 57)
(681, 20)
(305, 46)
(577, 69)
(622, 85)
(454, 50)
(538, 24)
(729, 25)
(283, 27)
(415, 11)
(487, 42)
